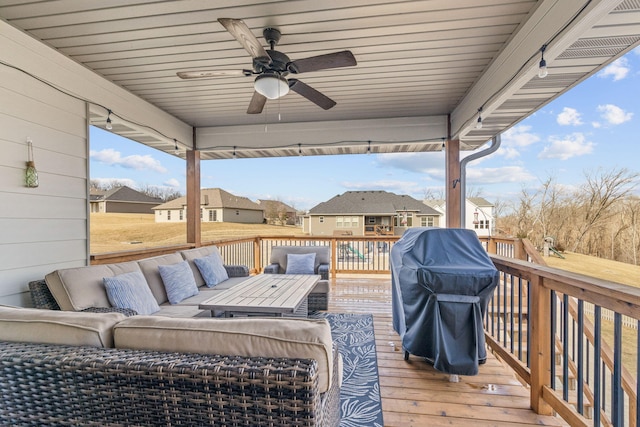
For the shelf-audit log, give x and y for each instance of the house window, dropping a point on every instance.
(215, 215)
(211, 214)
(321, 219)
(426, 221)
(347, 221)
(404, 219)
(181, 214)
(371, 220)
(168, 215)
(201, 214)
(237, 212)
(482, 224)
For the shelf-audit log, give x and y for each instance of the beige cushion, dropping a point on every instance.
(267, 337)
(75, 289)
(149, 267)
(322, 287)
(190, 254)
(58, 327)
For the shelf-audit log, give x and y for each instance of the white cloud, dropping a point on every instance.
(428, 163)
(519, 136)
(498, 175)
(572, 145)
(596, 125)
(173, 183)
(399, 187)
(613, 114)
(618, 69)
(112, 157)
(516, 138)
(569, 117)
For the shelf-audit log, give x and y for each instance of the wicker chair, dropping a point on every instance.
(319, 297)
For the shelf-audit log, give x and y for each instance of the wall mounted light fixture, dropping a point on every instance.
(30, 174)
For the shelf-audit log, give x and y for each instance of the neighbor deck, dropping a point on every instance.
(415, 394)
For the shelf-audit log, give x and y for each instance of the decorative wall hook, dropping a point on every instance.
(30, 174)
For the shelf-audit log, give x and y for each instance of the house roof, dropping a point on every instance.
(371, 203)
(423, 67)
(215, 198)
(441, 203)
(480, 201)
(122, 194)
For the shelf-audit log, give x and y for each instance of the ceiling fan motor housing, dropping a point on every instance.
(277, 63)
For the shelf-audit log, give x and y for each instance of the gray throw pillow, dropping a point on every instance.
(212, 269)
(178, 281)
(301, 263)
(130, 290)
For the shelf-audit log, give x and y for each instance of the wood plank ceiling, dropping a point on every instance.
(420, 58)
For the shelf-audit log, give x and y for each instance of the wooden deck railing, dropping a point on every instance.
(545, 323)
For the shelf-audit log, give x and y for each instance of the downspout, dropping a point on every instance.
(463, 174)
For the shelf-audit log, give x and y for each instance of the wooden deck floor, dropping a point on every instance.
(415, 394)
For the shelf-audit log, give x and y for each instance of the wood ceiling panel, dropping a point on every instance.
(415, 57)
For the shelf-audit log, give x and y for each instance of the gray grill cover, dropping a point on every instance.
(442, 280)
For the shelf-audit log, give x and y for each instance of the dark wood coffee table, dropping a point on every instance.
(265, 294)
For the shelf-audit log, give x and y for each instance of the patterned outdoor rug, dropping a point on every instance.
(360, 393)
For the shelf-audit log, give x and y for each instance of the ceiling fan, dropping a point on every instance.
(272, 67)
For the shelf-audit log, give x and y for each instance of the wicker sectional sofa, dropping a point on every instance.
(83, 362)
(107, 369)
(82, 289)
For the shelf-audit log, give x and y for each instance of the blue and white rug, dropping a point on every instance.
(360, 393)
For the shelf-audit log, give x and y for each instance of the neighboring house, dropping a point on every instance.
(121, 200)
(369, 213)
(478, 214)
(216, 205)
(278, 213)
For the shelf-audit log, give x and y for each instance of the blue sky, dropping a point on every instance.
(594, 125)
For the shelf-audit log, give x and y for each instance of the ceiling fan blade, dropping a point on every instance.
(243, 34)
(311, 94)
(321, 62)
(211, 73)
(257, 103)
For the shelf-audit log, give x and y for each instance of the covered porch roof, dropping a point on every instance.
(424, 68)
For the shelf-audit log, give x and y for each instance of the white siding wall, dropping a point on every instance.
(43, 228)
(46, 228)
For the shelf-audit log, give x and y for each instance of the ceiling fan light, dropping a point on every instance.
(271, 86)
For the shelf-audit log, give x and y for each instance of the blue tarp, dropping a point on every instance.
(442, 280)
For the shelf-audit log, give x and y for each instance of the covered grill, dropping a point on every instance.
(442, 280)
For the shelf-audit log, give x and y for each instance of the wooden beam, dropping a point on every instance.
(452, 183)
(193, 198)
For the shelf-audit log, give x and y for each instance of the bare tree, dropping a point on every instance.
(601, 191)
(161, 192)
(432, 194)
